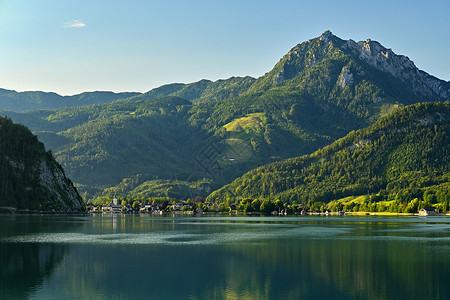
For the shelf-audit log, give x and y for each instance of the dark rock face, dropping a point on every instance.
(30, 178)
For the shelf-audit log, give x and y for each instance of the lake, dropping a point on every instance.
(232, 257)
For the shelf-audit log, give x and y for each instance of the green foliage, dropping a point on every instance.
(401, 157)
(203, 90)
(267, 206)
(135, 205)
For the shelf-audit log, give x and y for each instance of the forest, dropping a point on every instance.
(392, 165)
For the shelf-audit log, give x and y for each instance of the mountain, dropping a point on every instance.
(26, 101)
(349, 63)
(402, 156)
(30, 178)
(204, 90)
(203, 135)
(329, 67)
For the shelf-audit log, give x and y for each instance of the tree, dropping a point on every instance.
(256, 204)
(412, 206)
(278, 204)
(136, 205)
(223, 207)
(164, 204)
(267, 206)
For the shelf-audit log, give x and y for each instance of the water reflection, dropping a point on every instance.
(25, 266)
(231, 258)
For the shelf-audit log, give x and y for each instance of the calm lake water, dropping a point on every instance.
(154, 257)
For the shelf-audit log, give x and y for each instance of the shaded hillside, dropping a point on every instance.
(401, 156)
(25, 101)
(30, 178)
(123, 143)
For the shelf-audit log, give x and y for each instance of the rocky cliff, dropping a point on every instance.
(400, 66)
(30, 178)
(304, 56)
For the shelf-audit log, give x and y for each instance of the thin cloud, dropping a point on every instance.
(74, 24)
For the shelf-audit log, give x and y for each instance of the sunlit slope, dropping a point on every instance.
(399, 157)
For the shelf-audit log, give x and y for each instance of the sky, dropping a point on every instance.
(75, 46)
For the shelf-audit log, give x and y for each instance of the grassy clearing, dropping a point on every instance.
(249, 122)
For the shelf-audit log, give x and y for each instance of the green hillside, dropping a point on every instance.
(403, 156)
(103, 146)
(209, 133)
(203, 90)
(30, 178)
(124, 142)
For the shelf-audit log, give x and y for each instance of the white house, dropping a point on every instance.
(427, 212)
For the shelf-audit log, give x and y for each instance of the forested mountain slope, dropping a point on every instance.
(318, 92)
(402, 156)
(30, 178)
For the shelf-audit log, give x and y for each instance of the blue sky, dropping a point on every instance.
(69, 47)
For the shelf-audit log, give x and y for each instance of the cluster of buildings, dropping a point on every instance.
(114, 207)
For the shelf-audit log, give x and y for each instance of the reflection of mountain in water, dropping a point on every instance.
(309, 269)
(24, 266)
(181, 258)
(340, 269)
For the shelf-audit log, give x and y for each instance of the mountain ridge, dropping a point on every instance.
(316, 94)
(371, 52)
(36, 100)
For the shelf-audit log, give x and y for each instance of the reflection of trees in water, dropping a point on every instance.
(340, 269)
(297, 268)
(24, 266)
(306, 269)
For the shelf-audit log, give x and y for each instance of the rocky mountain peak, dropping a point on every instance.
(380, 57)
(304, 56)
(399, 66)
(374, 54)
(327, 36)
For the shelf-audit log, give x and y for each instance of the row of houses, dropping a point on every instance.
(114, 207)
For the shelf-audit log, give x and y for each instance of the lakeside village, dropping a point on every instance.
(198, 206)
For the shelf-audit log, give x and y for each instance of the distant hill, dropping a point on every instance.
(321, 90)
(204, 90)
(26, 101)
(402, 156)
(30, 178)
